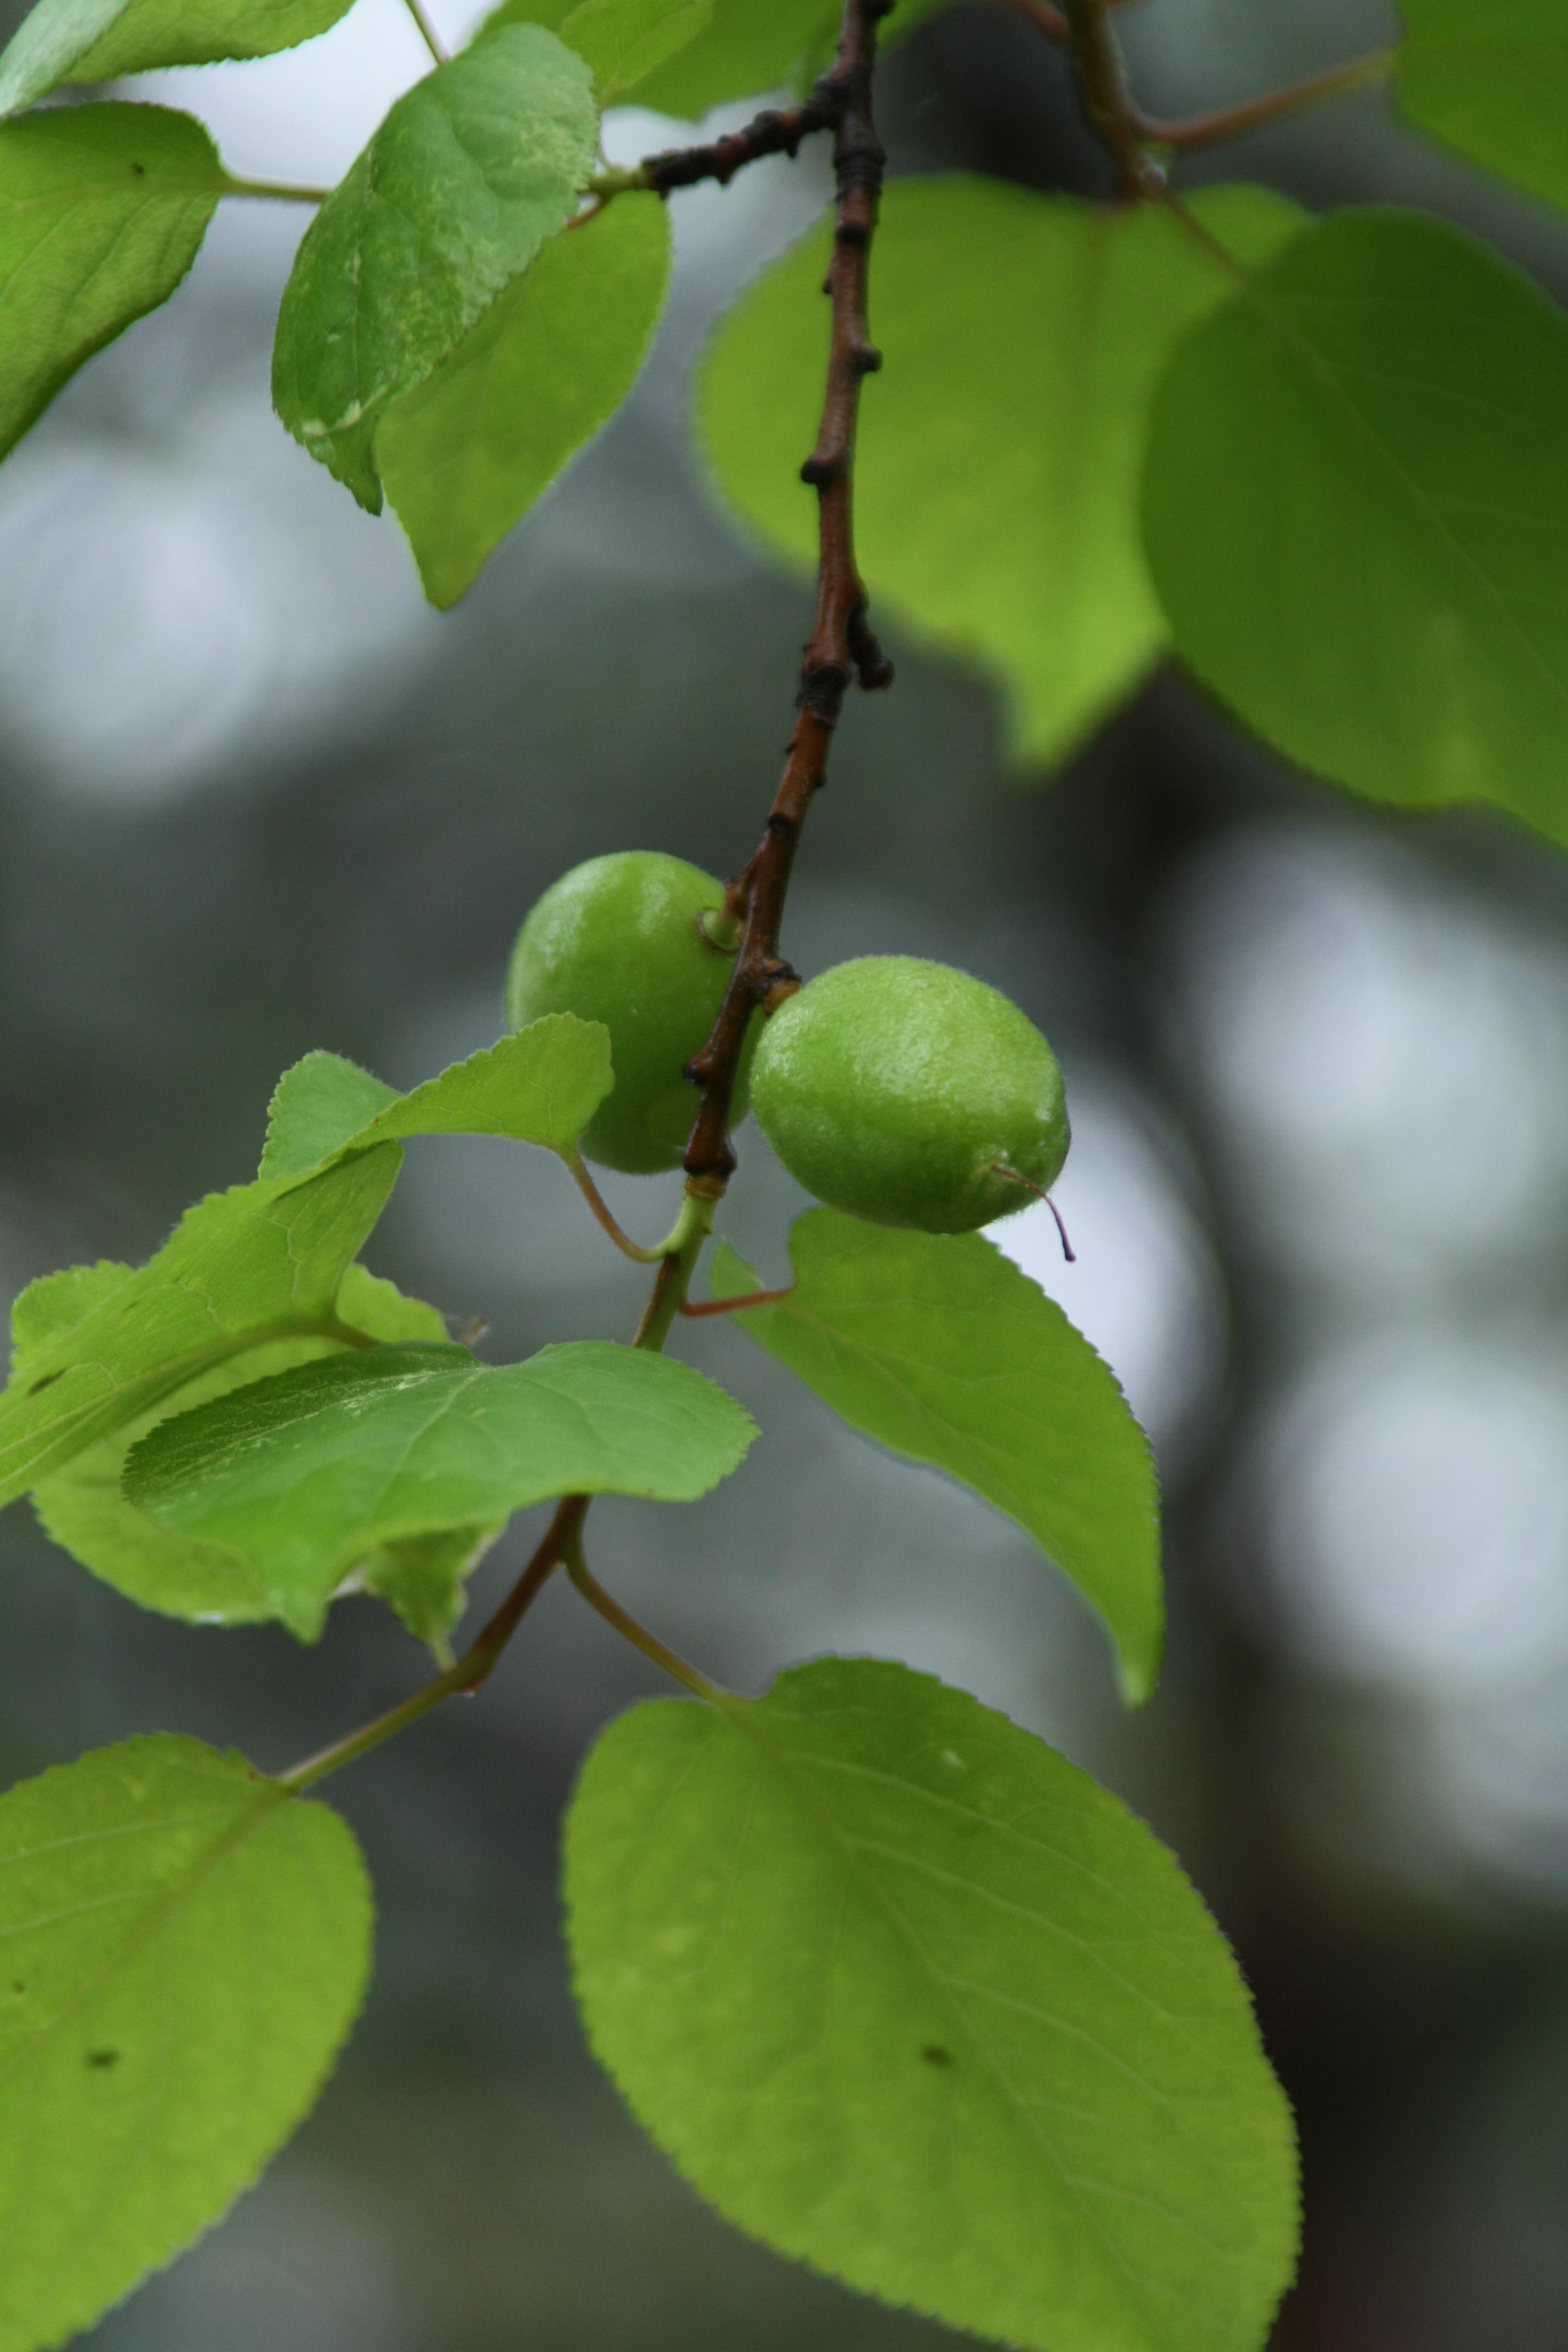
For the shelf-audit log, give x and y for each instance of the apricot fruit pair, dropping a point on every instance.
(900, 1090)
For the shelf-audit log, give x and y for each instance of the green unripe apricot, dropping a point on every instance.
(910, 1093)
(621, 940)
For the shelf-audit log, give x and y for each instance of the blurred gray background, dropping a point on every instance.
(255, 798)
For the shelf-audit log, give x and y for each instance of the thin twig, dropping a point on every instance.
(775, 132)
(473, 1668)
(1103, 83)
(1250, 113)
(430, 36)
(841, 648)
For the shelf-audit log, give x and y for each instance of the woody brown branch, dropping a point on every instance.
(776, 132)
(842, 648)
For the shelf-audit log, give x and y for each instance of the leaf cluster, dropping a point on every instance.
(252, 1423)
(1318, 460)
(900, 1989)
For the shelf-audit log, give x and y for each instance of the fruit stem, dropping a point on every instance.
(1040, 1194)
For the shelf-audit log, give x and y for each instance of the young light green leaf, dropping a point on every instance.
(626, 40)
(749, 46)
(1356, 511)
(421, 1579)
(186, 1950)
(318, 1107)
(57, 1302)
(82, 1508)
(1492, 82)
(465, 455)
(909, 1998)
(472, 169)
(741, 48)
(98, 40)
(997, 479)
(101, 211)
(306, 1474)
(541, 1085)
(736, 47)
(261, 1261)
(938, 1347)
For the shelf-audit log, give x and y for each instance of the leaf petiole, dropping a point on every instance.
(626, 1624)
(605, 1215)
(734, 1306)
(279, 191)
(1271, 106)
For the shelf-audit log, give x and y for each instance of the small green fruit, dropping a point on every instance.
(910, 1093)
(629, 939)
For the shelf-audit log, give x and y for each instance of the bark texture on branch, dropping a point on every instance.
(842, 649)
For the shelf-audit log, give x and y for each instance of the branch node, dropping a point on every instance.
(822, 689)
(779, 992)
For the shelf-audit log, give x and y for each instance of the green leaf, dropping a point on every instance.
(318, 1106)
(305, 1474)
(186, 1950)
(261, 1261)
(626, 40)
(541, 1085)
(942, 1348)
(472, 169)
(749, 46)
(908, 1996)
(465, 453)
(82, 1508)
(736, 47)
(1492, 82)
(743, 48)
(997, 469)
(1356, 510)
(98, 40)
(421, 1579)
(101, 211)
(56, 1303)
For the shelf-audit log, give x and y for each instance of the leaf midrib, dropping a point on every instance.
(268, 1799)
(742, 1715)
